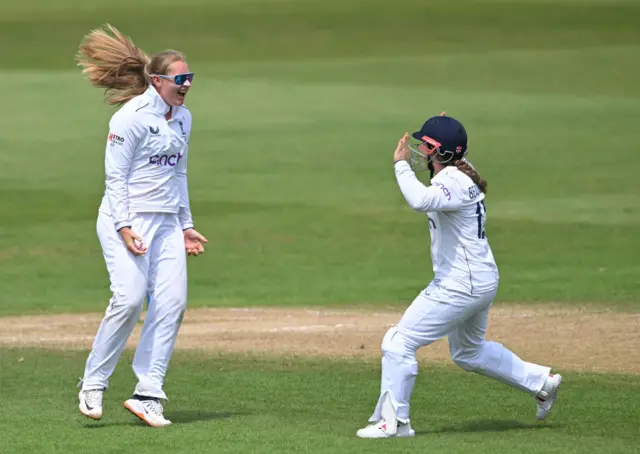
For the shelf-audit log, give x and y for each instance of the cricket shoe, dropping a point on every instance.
(548, 395)
(148, 409)
(382, 429)
(91, 403)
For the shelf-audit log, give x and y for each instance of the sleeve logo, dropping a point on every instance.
(115, 139)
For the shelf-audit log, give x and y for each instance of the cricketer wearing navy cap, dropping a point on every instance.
(442, 138)
(455, 304)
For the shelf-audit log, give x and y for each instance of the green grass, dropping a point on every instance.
(297, 108)
(250, 404)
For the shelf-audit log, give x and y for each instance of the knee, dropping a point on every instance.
(469, 359)
(175, 302)
(170, 302)
(396, 344)
(128, 302)
(181, 303)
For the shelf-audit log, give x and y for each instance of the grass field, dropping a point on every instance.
(239, 404)
(297, 108)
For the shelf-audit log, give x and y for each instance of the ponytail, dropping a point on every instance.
(466, 168)
(111, 61)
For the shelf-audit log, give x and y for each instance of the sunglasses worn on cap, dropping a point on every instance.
(178, 79)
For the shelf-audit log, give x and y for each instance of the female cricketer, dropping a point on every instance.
(144, 222)
(456, 303)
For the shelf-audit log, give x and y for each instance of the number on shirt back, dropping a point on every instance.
(481, 211)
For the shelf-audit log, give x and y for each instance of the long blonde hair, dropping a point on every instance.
(112, 61)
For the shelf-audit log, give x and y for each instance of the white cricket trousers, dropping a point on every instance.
(161, 273)
(439, 312)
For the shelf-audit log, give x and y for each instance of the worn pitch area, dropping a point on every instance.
(576, 338)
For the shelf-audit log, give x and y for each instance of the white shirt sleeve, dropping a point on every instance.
(186, 220)
(437, 197)
(121, 145)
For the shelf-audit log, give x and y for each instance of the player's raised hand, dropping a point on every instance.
(402, 150)
(193, 242)
(133, 241)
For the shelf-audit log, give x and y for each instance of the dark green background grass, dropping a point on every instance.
(297, 108)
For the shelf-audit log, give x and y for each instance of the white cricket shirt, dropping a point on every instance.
(461, 255)
(146, 161)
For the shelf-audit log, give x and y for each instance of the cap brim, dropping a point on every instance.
(417, 135)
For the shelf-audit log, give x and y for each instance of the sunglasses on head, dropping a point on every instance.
(178, 79)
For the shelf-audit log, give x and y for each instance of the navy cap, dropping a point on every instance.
(446, 130)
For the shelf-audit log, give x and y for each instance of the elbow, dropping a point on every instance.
(115, 185)
(417, 205)
(115, 178)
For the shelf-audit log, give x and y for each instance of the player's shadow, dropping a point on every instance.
(187, 416)
(484, 425)
(176, 417)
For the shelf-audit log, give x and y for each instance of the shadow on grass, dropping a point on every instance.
(487, 426)
(187, 416)
(176, 417)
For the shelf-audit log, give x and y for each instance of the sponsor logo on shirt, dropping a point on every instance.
(115, 139)
(446, 191)
(165, 160)
(154, 131)
(181, 124)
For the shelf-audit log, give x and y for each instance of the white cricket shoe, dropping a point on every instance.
(381, 429)
(548, 395)
(149, 410)
(91, 403)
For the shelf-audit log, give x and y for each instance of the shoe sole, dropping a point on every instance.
(142, 416)
(95, 418)
(412, 434)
